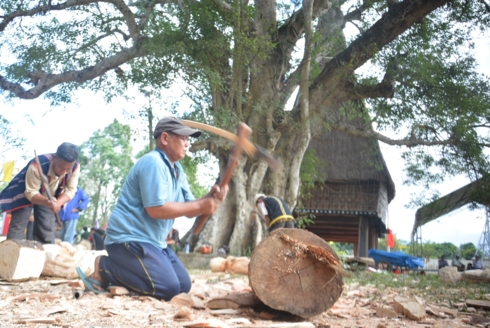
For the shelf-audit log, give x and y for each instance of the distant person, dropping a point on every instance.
(96, 239)
(477, 263)
(70, 214)
(457, 263)
(173, 240)
(85, 234)
(276, 212)
(442, 262)
(26, 192)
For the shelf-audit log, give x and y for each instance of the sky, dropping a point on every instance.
(76, 123)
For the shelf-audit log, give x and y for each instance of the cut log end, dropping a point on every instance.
(287, 277)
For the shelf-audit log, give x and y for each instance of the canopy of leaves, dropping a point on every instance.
(409, 69)
(105, 161)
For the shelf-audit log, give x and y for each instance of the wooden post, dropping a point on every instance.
(363, 236)
(373, 238)
(290, 271)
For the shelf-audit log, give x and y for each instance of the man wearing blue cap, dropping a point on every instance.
(155, 192)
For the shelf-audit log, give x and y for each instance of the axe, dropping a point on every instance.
(45, 184)
(250, 148)
(244, 132)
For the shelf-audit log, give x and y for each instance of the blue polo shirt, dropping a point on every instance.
(151, 182)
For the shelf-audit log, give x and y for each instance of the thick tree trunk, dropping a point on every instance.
(290, 271)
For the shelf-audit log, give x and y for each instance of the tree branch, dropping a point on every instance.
(384, 89)
(119, 4)
(486, 5)
(44, 81)
(397, 20)
(409, 142)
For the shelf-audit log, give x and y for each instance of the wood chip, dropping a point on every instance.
(410, 308)
(118, 290)
(37, 320)
(224, 311)
(205, 324)
(183, 314)
(182, 299)
(383, 312)
(478, 304)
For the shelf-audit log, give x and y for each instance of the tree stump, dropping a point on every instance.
(21, 259)
(288, 272)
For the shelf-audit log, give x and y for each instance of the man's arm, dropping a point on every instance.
(84, 201)
(206, 205)
(33, 184)
(70, 187)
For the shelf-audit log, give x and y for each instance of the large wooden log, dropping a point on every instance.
(296, 271)
(63, 259)
(21, 259)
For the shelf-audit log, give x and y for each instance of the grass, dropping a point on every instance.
(428, 287)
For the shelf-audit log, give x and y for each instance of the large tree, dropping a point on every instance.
(243, 61)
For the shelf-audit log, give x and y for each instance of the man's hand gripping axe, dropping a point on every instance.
(241, 144)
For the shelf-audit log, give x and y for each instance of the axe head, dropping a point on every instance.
(274, 162)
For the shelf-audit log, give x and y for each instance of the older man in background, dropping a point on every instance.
(26, 191)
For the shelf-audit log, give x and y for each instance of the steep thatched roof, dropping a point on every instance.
(347, 158)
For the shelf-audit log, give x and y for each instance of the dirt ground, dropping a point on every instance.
(43, 302)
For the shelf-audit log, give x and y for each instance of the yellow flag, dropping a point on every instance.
(8, 171)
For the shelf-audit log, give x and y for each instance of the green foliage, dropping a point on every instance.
(190, 168)
(342, 248)
(435, 250)
(440, 94)
(311, 173)
(467, 251)
(105, 162)
(303, 220)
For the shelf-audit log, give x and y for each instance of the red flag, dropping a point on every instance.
(390, 239)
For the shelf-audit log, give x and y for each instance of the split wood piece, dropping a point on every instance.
(21, 260)
(438, 310)
(478, 304)
(183, 299)
(383, 312)
(286, 279)
(409, 307)
(197, 303)
(76, 284)
(231, 264)
(40, 296)
(37, 320)
(477, 319)
(205, 324)
(225, 312)
(292, 325)
(118, 290)
(182, 314)
(234, 301)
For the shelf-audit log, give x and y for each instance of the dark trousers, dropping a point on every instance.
(285, 224)
(145, 269)
(43, 228)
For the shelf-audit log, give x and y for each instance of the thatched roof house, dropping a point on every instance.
(351, 204)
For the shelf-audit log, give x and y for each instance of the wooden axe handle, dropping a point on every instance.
(244, 133)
